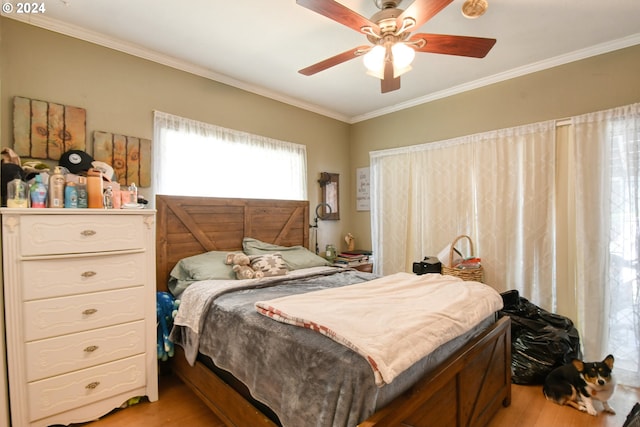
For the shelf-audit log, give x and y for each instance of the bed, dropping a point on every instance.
(469, 384)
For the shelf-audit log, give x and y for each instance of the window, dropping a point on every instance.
(199, 159)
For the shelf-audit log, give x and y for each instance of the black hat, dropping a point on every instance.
(76, 161)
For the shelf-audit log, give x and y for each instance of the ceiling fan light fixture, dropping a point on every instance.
(474, 8)
(398, 71)
(374, 61)
(403, 55)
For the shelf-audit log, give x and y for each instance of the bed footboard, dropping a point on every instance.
(467, 391)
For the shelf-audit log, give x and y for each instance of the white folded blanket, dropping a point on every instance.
(393, 321)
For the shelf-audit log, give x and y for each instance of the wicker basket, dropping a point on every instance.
(475, 274)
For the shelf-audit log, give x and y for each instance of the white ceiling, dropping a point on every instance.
(259, 45)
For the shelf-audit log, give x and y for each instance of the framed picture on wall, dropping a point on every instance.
(330, 186)
(363, 199)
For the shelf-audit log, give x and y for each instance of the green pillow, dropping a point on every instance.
(206, 266)
(296, 257)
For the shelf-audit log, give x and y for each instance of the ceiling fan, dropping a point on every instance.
(389, 31)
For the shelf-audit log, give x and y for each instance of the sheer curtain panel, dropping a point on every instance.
(193, 158)
(607, 164)
(496, 187)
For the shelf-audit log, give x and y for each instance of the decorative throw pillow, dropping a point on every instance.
(296, 257)
(269, 264)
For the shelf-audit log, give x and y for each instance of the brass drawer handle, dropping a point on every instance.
(91, 349)
(92, 385)
(88, 233)
(90, 311)
(88, 274)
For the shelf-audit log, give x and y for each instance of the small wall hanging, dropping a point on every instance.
(129, 156)
(45, 130)
(363, 197)
(330, 186)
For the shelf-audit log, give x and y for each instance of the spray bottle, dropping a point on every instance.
(56, 188)
(81, 187)
(38, 193)
(71, 195)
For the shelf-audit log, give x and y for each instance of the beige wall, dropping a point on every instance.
(593, 84)
(120, 91)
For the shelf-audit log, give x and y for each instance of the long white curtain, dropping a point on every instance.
(193, 158)
(520, 203)
(607, 165)
(497, 187)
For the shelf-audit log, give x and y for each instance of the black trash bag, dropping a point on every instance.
(540, 340)
(633, 419)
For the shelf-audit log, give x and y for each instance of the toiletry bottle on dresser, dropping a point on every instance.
(81, 187)
(108, 198)
(133, 194)
(56, 188)
(38, 193)
(95, 189)
(17, 193)
(117, 198)
(70, 195)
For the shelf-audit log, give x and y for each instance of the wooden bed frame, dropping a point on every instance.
(468, 390)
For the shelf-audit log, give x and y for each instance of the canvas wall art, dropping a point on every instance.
(363, 195)
(129, 156)
(45, 130)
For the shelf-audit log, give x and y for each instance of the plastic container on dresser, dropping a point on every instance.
(79, 298)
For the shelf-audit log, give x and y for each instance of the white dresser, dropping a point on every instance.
(80, 311)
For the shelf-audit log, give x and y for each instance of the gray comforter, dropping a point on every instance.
(306, 378)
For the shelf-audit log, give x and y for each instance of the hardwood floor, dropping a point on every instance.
(179, 407)
(529, 408)
(176, 407)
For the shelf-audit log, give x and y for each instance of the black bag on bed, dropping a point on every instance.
(540, 340)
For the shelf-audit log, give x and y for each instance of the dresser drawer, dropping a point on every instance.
(74, 390)
(67, 234)
(55, 356)
(70, 276)
(65, 315)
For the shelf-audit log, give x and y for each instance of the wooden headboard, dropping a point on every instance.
(189, 226)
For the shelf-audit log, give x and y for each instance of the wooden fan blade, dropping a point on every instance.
(389, 83)
(423, 10)
(334, 60)
(339, 13)
(475, 47)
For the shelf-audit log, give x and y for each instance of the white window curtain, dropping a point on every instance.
(193, 158)
(607, 197)
(558, 222)
(496, 187)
